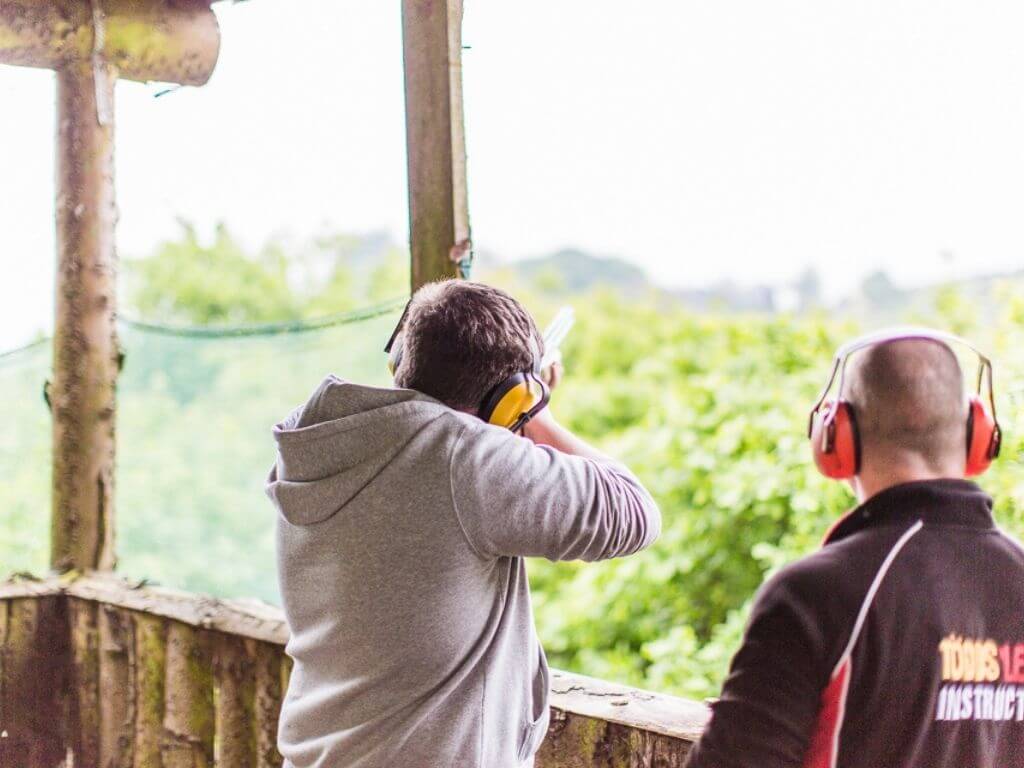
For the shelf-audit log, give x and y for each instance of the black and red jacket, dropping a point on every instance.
(899, 644)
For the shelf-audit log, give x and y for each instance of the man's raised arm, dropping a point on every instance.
(551, 495)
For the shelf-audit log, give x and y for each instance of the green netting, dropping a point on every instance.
(195, 410)
(24, 460)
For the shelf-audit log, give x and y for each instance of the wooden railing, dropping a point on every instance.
(96, 672)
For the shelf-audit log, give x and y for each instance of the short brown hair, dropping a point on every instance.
(461, 339)
(909, 398)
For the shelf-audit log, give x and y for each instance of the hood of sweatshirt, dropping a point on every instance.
(332, 447)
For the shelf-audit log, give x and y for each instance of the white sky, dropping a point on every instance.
(704, 139)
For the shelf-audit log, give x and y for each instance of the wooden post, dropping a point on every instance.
(90, 43)
(269, 663)
(189, 712)
(85, 356)
(236, 718)
(117, 688)
(85, 687)
(33, 682)
(150, 677)
(439, 230)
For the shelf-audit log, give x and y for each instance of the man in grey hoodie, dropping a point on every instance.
(404, 520)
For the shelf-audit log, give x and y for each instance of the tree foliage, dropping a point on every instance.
(709, 410)
(187, 281)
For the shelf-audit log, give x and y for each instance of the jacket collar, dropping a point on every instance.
(935, 502)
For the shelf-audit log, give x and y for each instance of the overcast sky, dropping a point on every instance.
(737, 139)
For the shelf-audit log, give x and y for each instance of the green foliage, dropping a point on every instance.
(711, 413)
(187, 282)
(24, 462)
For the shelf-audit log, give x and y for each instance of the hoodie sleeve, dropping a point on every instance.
(514, 498)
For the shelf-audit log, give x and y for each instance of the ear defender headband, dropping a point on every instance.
(517, 399)
(832, 426)
(511, 403)
(394, 345)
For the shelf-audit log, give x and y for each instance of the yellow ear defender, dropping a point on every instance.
(510, 404)
(517, 399)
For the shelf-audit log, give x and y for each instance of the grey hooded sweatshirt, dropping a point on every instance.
(400, 542)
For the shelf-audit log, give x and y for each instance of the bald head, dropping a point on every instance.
(908, 396)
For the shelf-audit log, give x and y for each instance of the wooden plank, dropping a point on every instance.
(85, 687)
(632, 707)
(117, 687)
(150, 666)
(85, 351)
(435, 136)
(35, 677)
(234, 671)
(246, 618)
(29, 587)
(189, 708)
(269, 664)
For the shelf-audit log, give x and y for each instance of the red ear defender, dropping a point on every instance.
(833, 428)
(983, 437)
(834, 440)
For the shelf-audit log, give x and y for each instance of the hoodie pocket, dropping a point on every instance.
(536, 714)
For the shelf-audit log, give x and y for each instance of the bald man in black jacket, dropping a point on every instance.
(900, 643)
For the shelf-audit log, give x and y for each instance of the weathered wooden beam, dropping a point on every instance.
(117, 687)
(245, 618)
(595, 724)
(168, 40)
(85, 353)
(236, 701)
(33, 682)
(439, 229)
(597, 699)
(85, 684)
(150, 679)
(189, 711)
(268, 659)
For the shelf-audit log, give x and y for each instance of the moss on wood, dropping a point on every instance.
(189, 710)
(150, 663)
(576, 741)
(85, 709)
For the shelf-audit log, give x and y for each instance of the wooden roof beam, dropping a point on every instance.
(175, 42)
